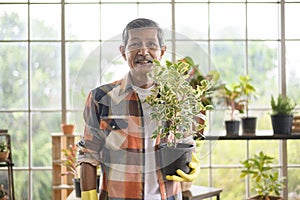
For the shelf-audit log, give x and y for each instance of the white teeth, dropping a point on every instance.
(143, 61)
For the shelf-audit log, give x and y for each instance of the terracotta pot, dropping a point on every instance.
(4, 155)
(68, 128)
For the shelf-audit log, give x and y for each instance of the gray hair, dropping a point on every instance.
(143, 23)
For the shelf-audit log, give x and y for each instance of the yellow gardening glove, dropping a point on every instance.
(89, 195)
(195, 169)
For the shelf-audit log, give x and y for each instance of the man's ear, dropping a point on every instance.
(122, 50)
(162, 51)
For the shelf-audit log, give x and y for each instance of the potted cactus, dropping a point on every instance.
(176, 104)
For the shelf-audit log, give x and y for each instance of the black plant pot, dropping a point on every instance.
(171, 158)
(232, 127)
(76, 182)
(282, 124)
(249, 125)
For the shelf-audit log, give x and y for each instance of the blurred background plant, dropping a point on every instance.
(70, 161)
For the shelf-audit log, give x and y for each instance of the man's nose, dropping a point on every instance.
(143, 50)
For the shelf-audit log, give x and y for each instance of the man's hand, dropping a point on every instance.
(195, 169)
(89, 195)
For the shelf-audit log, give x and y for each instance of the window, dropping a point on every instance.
(53, 52)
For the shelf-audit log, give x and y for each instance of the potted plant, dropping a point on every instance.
(175, 104)
(70, 162)
(265, 178)
(248, 92)
(3, 193)
(67, 128)
(233, 98)
(282, 114)
(196, 77)
(3, 151)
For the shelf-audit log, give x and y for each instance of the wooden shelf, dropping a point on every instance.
(62, 186)
(253, 137)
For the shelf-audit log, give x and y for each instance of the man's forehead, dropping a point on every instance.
(142, 32)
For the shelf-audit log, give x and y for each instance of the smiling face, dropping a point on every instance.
(142, 48)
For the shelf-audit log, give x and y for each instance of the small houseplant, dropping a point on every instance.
(265, 179)
(196, 77)
(234, 101)
(282, 114)
(248, 92)
(3, 151)
(70, 162)
(176, 104)
(3, 193)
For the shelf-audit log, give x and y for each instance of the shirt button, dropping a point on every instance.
(113, 126)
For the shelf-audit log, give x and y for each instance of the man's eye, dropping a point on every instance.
(134, 44)
(152, 45)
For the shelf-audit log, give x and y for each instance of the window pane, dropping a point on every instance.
(14, 76)
(227, 21)
(82, 21)
(216, 121)
(155, 12)
(112, 25)
(263, 65)
(82, 64)
(192, 20)
(202, 180)
(44, 1)
(293, 152)
(46, 75)
(17, 125)
(224, 178)
(293, 183)
(255, 146)
(21, 183)
(292, 15)
(113, 66)
(263, 122)
(42, 186)
(196, 50)
(263, 21)
(13, 22)
(45, 21)
(44, 125)
(224, 147)
(292, 69)
(229, 58)
(85, 1)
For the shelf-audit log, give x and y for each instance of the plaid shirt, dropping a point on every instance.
(114, 138)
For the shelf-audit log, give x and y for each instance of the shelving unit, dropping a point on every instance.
(9, 164)
(62, 186)
(269, 136)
